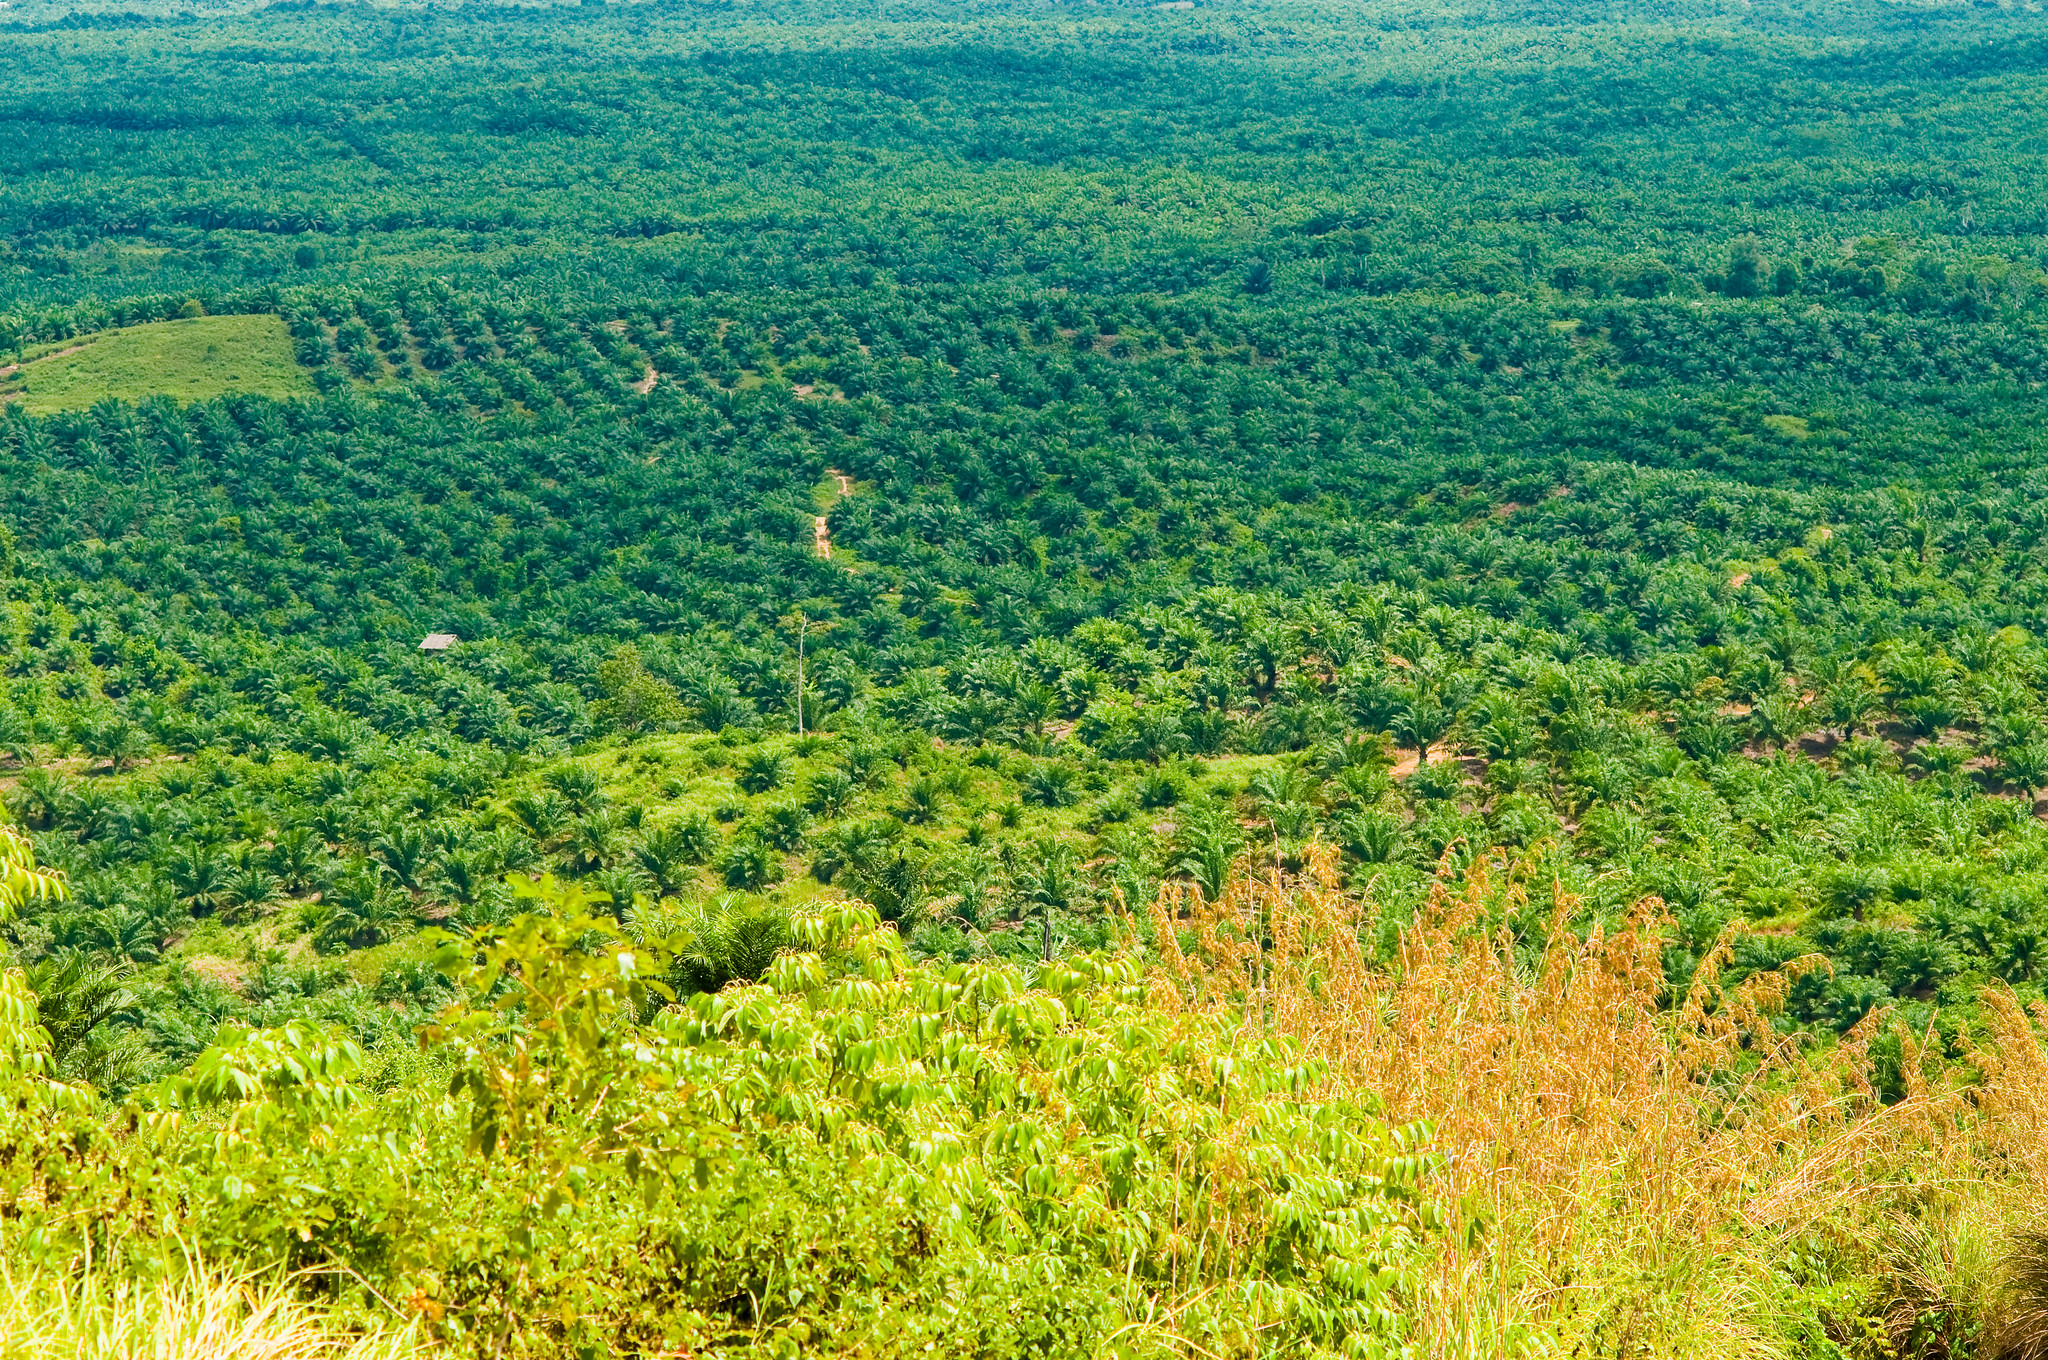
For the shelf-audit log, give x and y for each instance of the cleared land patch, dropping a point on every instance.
(191, 359)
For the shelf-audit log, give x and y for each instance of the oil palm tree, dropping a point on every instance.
(76, 994)
(17, 738)
(1047, 885)
(199, 876)
(364, 910)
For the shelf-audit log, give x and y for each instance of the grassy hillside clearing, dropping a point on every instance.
(193, 359)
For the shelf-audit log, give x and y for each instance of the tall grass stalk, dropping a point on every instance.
(194, 1315)
(2014, 1100)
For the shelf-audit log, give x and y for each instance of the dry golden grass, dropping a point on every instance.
(197, 1315)
(1621, 1176)
(2014, 1100)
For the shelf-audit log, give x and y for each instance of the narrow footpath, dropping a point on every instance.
(818, 525)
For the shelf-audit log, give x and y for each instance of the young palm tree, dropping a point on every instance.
(75, 995)
(1210, 850)
(1054, 785)
(594, 842)
(762, 771)
(579, 785)
(466, 875)
(922, 800)
(406, 852)
(16, 737)
(40, 798)
(298, 858)
(1422, 722)
(749, 865)
(1777, 718)
(1049, 884)
(543, 816)
(125, 932)
(723, 941)
(116, 741)
(364, 909)
(1851, 703)
(199, 876)
(2025, 767)
(829, 792)
(784, 827)
(1374, 837)
(252, 888)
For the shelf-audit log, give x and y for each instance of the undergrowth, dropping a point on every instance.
(1298, 1130)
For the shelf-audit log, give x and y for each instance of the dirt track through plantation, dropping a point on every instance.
(818, 525)
(12, 369)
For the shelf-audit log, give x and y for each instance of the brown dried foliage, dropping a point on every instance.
(1618, 1169)
(2014, 1100)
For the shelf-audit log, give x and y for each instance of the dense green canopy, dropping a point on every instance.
(1207, 411)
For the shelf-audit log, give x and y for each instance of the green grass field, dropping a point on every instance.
(190, 359)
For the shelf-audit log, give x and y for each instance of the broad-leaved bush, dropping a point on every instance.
(856, 1155)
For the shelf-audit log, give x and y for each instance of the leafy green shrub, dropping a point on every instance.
(853, 1156)
(635, 699)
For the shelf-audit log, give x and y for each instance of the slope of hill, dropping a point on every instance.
(1238, 679)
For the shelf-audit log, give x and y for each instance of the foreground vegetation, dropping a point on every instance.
(1222, 681)
(857, 1155)
(863, 1154)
